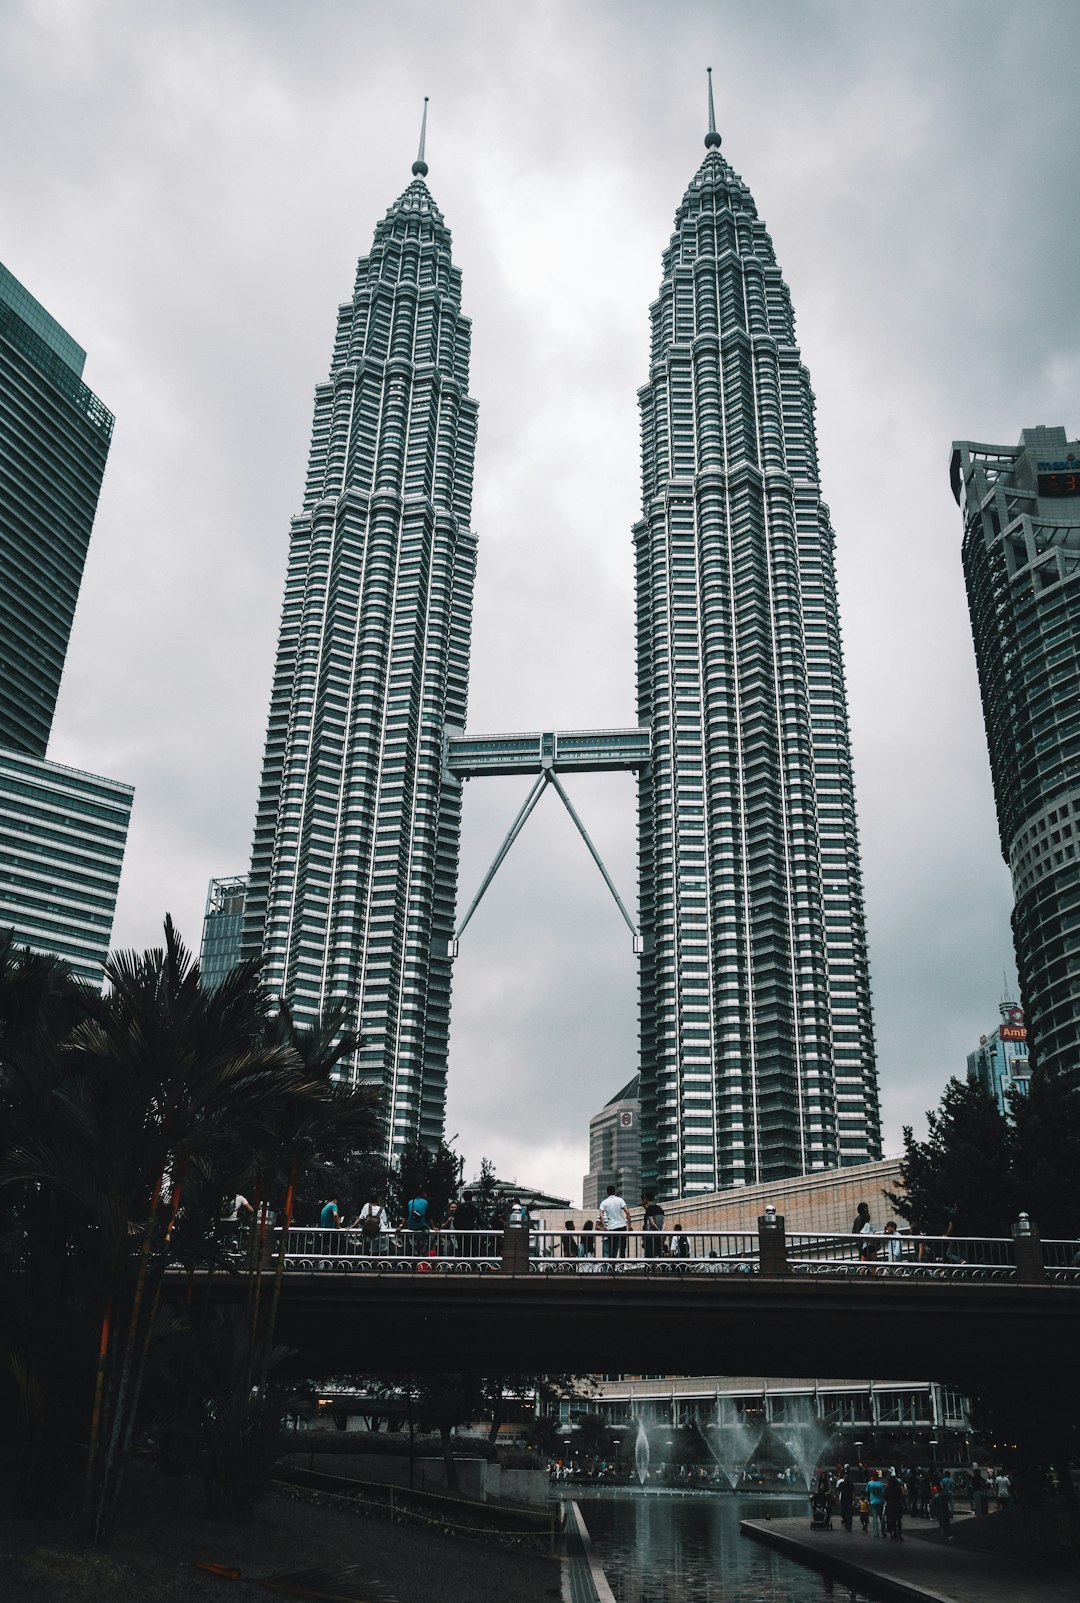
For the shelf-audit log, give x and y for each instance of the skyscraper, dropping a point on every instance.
(757, 1056)
(54, 439)
(62, 832)
(354, 864)
(1021, 553)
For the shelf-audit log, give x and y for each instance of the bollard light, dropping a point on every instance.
(1022, 1227)
(770, 1221)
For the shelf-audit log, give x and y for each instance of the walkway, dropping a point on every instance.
(921, 1568)
(583, 1578)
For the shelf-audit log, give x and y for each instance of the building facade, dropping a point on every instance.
(62, 839)
(1000, 1062)
(615, 1149)
(353, 876)
(757, 1055)
(54, 440)
(62, 832)
(1021, 553)
(223, 929)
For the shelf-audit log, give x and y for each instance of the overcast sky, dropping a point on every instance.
(187, 186)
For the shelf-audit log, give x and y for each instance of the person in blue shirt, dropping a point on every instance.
(875, 1491)
(329, 1217)
(416, 1213)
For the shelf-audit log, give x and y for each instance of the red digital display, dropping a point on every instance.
(1059, 483)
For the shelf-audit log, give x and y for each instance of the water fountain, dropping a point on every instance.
(803, 1434)
(732, 1442)
(641, 1453)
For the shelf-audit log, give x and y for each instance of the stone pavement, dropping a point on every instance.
(922, 1567)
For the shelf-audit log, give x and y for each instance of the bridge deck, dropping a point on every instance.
(640, 1323)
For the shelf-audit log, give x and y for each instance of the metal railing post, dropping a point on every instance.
(772, 1243)
(1027, 1251)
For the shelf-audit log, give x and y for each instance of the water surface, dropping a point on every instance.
(690, 1550)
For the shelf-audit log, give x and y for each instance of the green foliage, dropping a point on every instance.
(486, 1195)
(961, 1175)
(1046, 1153)
(980, 1172)
(429, 1172)
(124, 1123)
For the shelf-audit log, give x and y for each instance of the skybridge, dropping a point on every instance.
(547, 754)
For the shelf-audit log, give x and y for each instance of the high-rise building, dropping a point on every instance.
(615, 1149)
(62, 832)
(354, 865)
(62, 838)
(54, 439)
(223, 929)
(1000, 1062)
(757, 1057)
(1021, 553)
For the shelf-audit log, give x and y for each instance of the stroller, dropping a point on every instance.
(821, 1510)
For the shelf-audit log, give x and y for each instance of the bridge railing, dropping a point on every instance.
(642, 1252)
(350, 1251)
(908, 1256)
(1062, 1261)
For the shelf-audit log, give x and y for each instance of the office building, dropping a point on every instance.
(1000, 1063)
(354, 864)
(223, 928)
(757, 1055)
(615, 1149)
(62, 832)
(54, 439)
(1021, 553)
(62, 838)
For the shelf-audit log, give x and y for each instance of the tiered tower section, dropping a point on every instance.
(354, 866)
(757, 1056)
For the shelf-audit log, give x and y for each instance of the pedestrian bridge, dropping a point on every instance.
(765, 1304)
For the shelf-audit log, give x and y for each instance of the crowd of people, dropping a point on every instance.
(884, 1497)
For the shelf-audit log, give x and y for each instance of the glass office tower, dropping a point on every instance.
(62, 832)
(354, 866)
(757, 1056)
(1021, 552)
(54, 439)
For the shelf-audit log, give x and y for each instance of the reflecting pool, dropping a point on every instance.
(690, 1550)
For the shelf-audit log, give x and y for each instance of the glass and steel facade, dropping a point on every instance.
(1021, 554)
(62, 837)
(54, 439)
(62, 832)
(223, 929)
(757, 1054)
(353, 877)
(1000, 1062)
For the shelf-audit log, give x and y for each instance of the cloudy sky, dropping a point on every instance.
(186, 187)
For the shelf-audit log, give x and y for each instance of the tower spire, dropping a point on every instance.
(419, 166)
(712, 138)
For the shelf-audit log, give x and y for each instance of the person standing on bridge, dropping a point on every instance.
(329, 1217)
(416, 1215)
(616, 1217)
(652, 1223)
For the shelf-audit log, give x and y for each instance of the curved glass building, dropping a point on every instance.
(1021, 554)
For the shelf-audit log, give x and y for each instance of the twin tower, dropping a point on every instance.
(757, 1054)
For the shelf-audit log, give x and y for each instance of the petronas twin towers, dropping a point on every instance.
(756, 1036)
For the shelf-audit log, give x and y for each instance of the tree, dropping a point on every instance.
(427, 1171)
(1046, 1152)
(962, 1173)
(486, 1193)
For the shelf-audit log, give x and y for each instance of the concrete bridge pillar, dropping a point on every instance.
(515, 1250)
(772, 1243)
(1027, 1251)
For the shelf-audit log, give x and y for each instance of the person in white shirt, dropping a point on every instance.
(616, 1217)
